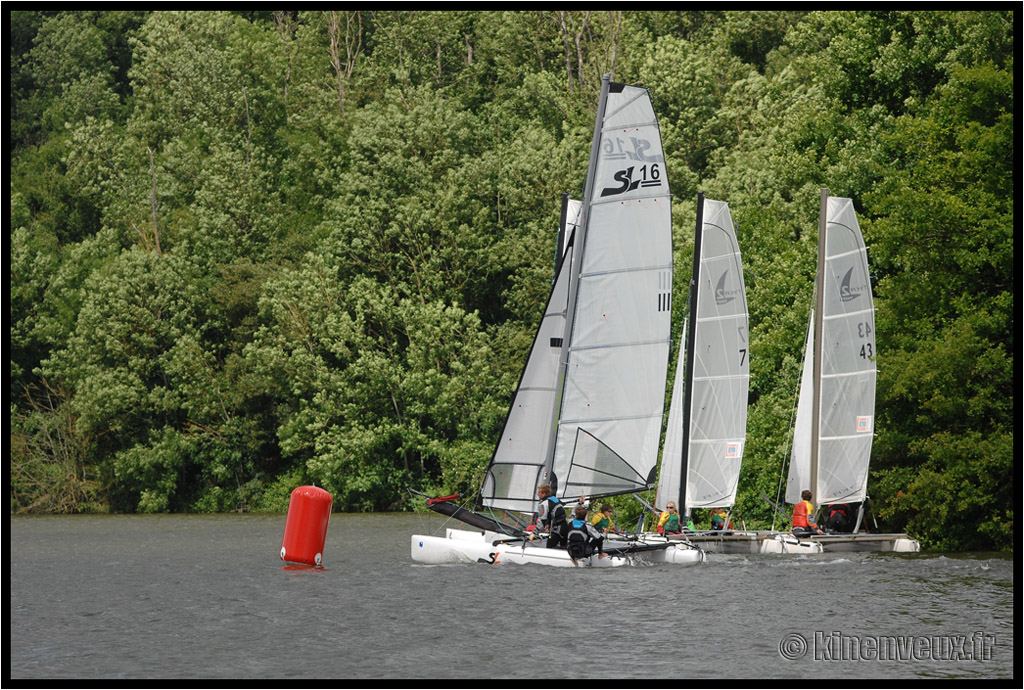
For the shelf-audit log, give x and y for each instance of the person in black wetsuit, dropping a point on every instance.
(840, 518)
(582, 538)
(551, 517)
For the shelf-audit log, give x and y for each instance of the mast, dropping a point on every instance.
(574, 283)
(819, 321)
(690, 336)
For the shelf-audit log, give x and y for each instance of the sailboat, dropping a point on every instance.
(834, 425)
(586, 416)
(706, 432)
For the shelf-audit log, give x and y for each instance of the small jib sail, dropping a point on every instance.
(835, 415)
(707, 421)
(520, 457)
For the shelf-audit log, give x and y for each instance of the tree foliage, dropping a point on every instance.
(249, 250)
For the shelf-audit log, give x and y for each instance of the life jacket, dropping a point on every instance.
(801, 514)
(578, 539)
(672, 523)
(555, 516)
(602, 522)
(838, 517)
(718, 522)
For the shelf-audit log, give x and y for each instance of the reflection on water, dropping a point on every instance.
(208, 597)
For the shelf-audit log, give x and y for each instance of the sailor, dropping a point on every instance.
(719, 519)
(839, 518)
(551, 516)
(603, 519)
(583, 539)
(803, 514)
(670, 522)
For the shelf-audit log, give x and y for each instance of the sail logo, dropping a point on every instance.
(864, 424)
(645, 176)
(733, 450)
(618, 149)
(722, 295)
(848, 292)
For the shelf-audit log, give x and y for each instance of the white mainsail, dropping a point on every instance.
(709, 450)
(587, 414)
(845, 386)
(616, 357)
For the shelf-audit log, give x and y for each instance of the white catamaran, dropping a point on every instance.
(586, 417)
(707, 421)
(835, 415)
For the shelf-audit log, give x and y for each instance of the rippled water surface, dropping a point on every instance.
(207, 597)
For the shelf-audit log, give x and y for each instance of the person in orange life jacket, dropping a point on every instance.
(582, 539)
(803, 513)
(670, 522)
(551, 516)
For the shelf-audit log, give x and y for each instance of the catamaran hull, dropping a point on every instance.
(788, 544)
(676, 554)
(889, 543)
(463, 546)
(747, 542)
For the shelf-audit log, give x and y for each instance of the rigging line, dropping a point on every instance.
(444, 525)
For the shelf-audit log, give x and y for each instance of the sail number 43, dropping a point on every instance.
(865, 331)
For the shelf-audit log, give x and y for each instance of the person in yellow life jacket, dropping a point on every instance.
(602, 519)
(803, 516)
(670, 521)
(719, 519)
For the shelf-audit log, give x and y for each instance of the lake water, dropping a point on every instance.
(206, 597)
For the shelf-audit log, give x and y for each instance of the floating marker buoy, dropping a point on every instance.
(305, 530)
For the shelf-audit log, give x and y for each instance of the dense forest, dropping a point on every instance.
(254, 250)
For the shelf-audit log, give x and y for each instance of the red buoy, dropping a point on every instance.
(305, 530)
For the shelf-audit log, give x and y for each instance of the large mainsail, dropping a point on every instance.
(616, 343)
(707, 418)
(840, 409)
